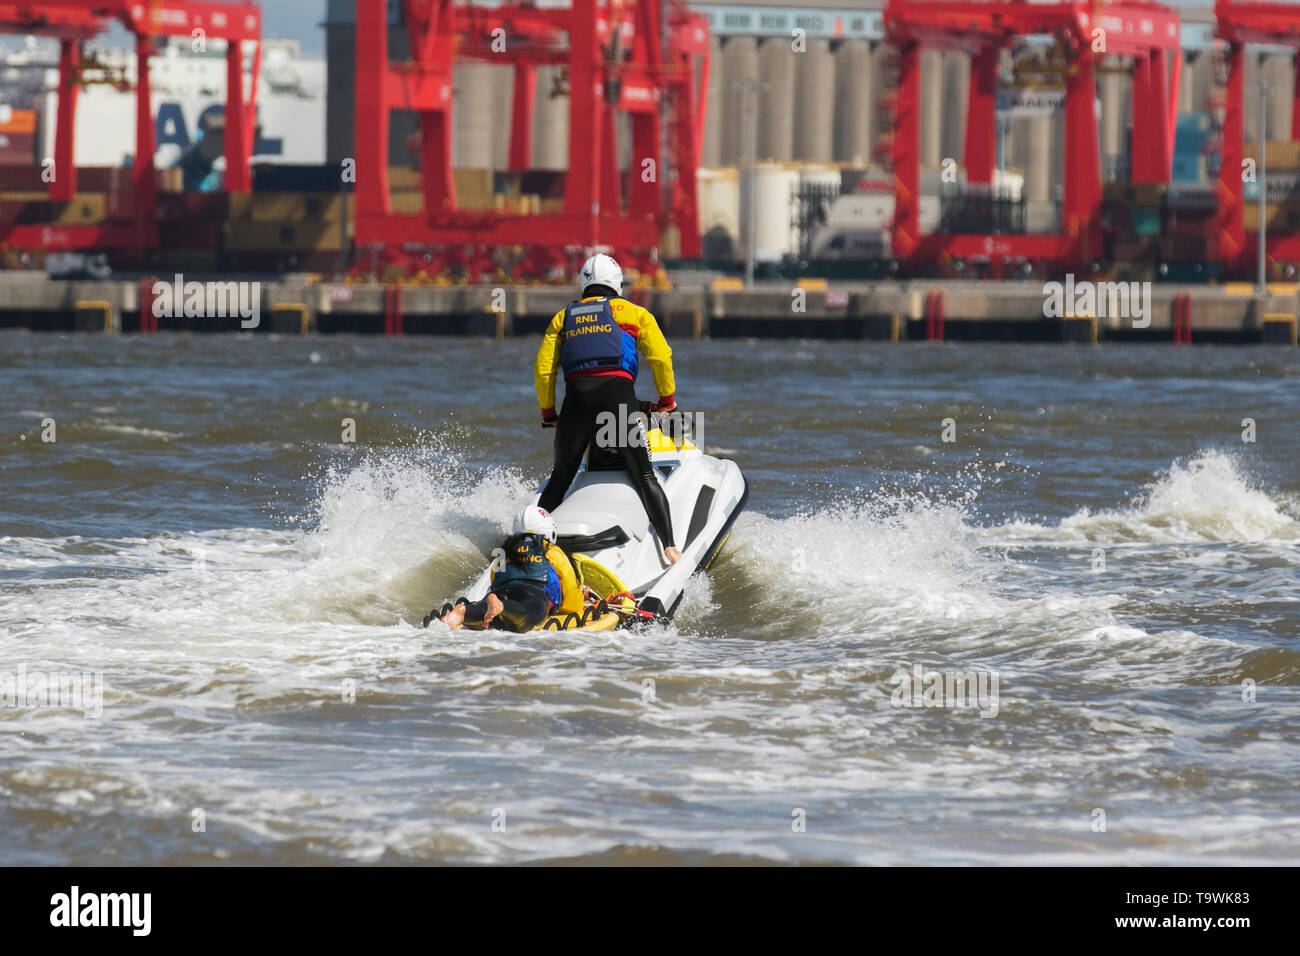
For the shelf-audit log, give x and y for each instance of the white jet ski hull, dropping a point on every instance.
(602, 518)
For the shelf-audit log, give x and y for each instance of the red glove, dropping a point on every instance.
(548, 417)
(666, 403)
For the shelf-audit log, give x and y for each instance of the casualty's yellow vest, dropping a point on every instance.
(572, 593)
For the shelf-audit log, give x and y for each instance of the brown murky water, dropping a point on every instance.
(1097, 536)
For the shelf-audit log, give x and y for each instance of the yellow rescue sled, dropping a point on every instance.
(609, 604)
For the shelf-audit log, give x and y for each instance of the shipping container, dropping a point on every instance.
(292, 260)
(1192, 199)
(1144, 248)
(1278, 154)
(1186, 247)
(1280, 217)
(407, 202)
(17, 149)
(287, 207)
(90, 179)
(1144, 195)
(403, 177)
(192, 261)
(249, 236)
(186, 207)
(517, 205)
(119, 194)
(282, 178)
(474, 188)
(194, 234)
(21, 179)
(547, 183)
(33, 208)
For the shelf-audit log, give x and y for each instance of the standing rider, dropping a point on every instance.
(594, 342)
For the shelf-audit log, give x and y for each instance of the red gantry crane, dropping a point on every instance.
(1238, 24)
(73, 22)
(1147, 32)
(640, 58)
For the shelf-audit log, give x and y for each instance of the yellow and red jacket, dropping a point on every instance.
(635, 322)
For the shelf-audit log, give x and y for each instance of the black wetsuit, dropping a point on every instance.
(585, 397)
(526, 606)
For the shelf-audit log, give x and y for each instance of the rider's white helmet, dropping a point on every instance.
(600, 269)
(535, 520)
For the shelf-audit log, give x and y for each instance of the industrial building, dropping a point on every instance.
(819, 105)
(819, 76)
(476, 138)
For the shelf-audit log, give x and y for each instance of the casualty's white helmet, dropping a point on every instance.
(600, 269)
(535, 520)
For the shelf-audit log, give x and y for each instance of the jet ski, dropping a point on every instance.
(604, 529)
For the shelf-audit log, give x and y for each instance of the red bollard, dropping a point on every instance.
(1182, 318)
(148, 321)
(393, 310)
(934, 315)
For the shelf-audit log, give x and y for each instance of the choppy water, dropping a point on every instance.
(1098, 536)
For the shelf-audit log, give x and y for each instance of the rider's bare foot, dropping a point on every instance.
(495, 607)
(455, 617)
(673, 555)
